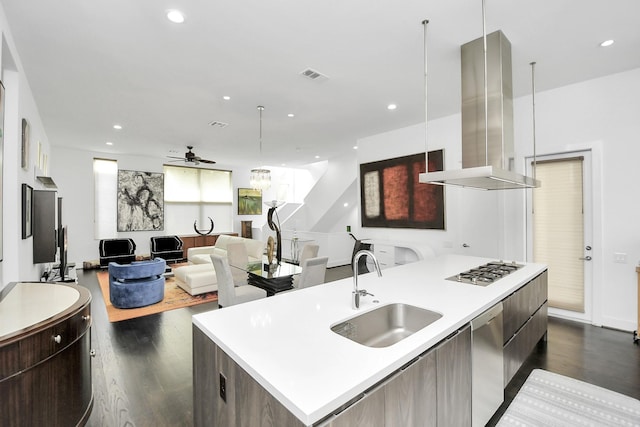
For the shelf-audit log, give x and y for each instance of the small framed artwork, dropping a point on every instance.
(27, 211)
(249, 201)
(25, 145)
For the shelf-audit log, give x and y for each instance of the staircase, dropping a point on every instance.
(322, 218)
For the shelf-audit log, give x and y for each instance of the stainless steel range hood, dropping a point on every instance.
(487, 155)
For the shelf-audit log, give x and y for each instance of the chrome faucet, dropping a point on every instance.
(357, 293)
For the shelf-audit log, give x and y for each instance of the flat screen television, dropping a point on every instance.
(44, 226)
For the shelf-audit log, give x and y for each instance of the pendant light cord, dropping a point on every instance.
(533, 113)
(260, 109)
(426, 115)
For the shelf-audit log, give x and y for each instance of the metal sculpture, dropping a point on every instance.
(203, 232)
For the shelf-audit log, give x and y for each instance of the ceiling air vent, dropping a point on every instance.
(312, 74)
(217, 124)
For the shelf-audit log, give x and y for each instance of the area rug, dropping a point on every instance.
(548, 399)
(174, 297)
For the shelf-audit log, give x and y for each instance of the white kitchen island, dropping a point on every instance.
(286, 345)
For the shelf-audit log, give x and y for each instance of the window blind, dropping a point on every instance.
(558, 223)
(105, 182)
(182, 184)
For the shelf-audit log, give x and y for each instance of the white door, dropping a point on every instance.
(559, 231)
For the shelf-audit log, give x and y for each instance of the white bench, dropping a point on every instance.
(196, 279)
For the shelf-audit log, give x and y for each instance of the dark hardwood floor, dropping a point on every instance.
(142, 369)
(605, 357)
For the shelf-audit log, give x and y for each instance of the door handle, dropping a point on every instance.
(587, 258)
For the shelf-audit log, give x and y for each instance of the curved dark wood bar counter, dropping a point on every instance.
(45, 355)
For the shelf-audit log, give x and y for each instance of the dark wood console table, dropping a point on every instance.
(45, 355)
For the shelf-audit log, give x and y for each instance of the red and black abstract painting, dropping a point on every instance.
(391, 195)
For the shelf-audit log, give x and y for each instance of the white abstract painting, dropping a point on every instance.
(140, 201)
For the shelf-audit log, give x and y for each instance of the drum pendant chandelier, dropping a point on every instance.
(260, 179)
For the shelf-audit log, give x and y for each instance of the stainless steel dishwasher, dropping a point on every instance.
(487, 368)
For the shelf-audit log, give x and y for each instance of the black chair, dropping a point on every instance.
(121, 251)
(362, 262)
(168, 248)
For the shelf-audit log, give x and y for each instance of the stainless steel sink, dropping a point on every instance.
(386, 325)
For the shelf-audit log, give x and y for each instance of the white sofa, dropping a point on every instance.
(202, 254)
(200, 276)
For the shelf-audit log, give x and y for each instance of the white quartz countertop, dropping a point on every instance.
(285, 342)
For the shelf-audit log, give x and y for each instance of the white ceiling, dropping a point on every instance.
(91, 64)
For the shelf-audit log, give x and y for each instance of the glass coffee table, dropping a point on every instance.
(272, 278)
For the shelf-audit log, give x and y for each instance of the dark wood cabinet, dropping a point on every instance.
(247, 232)
(45, 368)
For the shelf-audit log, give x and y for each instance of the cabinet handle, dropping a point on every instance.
(87, 317)
(57, 339)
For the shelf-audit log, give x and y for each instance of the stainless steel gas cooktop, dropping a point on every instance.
(486, 274)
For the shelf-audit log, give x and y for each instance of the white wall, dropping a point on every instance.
(601, 115)
(471, 216)
(17, 263)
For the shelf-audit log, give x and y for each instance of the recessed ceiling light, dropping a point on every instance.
(606, 43)
(284, 164)
(175, 16)
(317, 157)
(226, 98)
(346, 205)
(392, 107)
(117, 127)
(355, 147)
(291, 115)
(109, 143)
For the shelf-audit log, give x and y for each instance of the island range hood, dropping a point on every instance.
(487, 140)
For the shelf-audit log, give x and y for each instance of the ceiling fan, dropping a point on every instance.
(190, 157)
